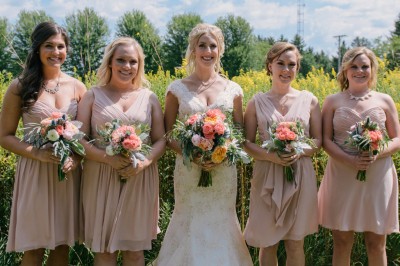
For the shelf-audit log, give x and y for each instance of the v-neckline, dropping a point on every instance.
(116, 105)
(200, 101)
(289, 109)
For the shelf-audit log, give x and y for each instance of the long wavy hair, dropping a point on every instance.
(31, 79)
(194, 36)
(104, 72)
(349, 58)
(276, 50)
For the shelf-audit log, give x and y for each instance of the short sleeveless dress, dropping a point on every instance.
(44, 212)
(347, 204)
(281, 210)
(204, 228)
(119, 215)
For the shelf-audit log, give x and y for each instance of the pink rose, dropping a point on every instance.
(132, 143)
(291, 135)
(208, 129)
(216, 113)
(191, 120)
(219, 128)
(196, 140)
(206, 144)
(59, 129)
(56, 115)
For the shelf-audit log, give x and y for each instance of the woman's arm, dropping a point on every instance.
(170, 115)
(315, 127)
(9, 118)
(392, 127)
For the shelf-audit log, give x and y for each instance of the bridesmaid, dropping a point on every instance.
(347, 205)
(280, 209)
(44, 213)
(120, 215)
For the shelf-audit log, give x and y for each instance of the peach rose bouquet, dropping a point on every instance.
(209, 136)
(60, 131)
(127, 140)
(287, 137)
(366, 136)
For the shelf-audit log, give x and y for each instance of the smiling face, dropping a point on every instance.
(284, 68)
(53, 51)
(206, 51)
(124, 64)
(359, 71)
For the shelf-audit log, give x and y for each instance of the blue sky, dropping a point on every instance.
(323, 19)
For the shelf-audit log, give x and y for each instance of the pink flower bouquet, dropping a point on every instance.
(62, 133)
(287, 137)
(366, 136)
(209, 136)
(127, 140)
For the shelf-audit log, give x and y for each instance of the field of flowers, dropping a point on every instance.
(318, 247)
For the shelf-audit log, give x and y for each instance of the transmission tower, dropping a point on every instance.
(300, 18)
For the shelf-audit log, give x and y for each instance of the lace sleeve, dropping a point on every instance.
(235, 89)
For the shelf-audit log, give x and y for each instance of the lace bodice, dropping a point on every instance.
(189, 103)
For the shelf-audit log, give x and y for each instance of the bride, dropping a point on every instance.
(204, 229)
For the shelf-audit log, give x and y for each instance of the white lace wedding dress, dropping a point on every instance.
(204, 229)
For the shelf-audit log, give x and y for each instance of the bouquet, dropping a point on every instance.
(366, 136)
(209, 136)
(127, 140)
(62, 133)
(287, 137)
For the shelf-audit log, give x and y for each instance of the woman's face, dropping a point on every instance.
(206, 51)
(53, 51)
(124, 63)
(359, 71)
(284, 67)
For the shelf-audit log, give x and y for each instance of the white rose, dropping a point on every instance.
(52, 135)
(109, 150)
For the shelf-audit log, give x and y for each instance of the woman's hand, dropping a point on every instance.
(46, 155)
(118, 162)
(71, 163)
(205, 165)
(130, 170)
(363, 160)
(285, 159)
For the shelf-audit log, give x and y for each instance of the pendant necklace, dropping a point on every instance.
(51, 90)
(360, 98)
(206, 85)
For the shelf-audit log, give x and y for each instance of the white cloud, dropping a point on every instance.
(323, 19)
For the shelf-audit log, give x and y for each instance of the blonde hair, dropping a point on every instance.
(276, 50)
(104, 71)
(349, 58)
(194, 36)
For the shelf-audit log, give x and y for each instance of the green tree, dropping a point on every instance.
(135, 24)
(361, 41)
(89, 33)
(258, 53)
(176, 39)
(5, 40)
(239, 41)
(298, 41)
(21, 42)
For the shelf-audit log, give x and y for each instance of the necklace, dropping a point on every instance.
(206, 85)
(360, 98)
(51, 90)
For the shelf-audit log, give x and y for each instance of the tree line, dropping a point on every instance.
(89, 34)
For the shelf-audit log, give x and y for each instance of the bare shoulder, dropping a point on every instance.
(385, 101)
(153, 99)
(334, 100)
(14, 87)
